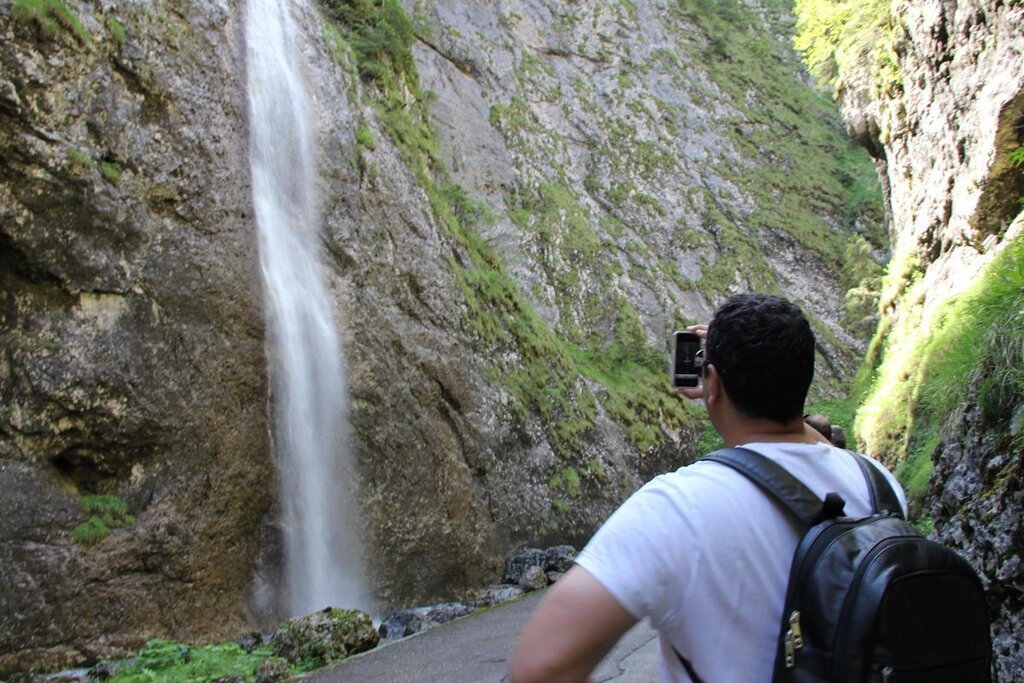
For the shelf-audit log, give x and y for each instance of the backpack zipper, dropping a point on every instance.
(825, 537)
(794, 639)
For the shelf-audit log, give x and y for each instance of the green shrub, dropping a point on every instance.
(165, 661)
(80, 161)
(90, 532)
(117, 33)
(1016, 158)
(366, 138)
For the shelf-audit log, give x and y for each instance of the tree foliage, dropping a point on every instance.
(842, 38)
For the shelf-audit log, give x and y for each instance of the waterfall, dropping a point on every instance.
(323, 560)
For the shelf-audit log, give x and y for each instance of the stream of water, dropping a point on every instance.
(321, 543)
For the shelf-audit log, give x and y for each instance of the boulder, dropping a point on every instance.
(250, 641)
(400, 624)
(445, 612)
(493, 595)
(533, 579)
(273, 671)
(406, 622)
(554, 577)
(559, 558)
(518, 563)
(325, 636)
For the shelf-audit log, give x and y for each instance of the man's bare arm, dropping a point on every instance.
(576, 625)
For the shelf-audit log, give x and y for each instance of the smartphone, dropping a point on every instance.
(685, 372)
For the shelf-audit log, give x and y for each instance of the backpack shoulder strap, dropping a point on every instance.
(780, 484)
(883, 497)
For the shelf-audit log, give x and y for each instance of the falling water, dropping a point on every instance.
(322, 555)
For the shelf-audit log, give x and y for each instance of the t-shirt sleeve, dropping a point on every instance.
(631, 553)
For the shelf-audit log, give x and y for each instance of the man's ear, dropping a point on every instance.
(712, 385)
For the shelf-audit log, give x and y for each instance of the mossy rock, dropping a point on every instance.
(323, 637)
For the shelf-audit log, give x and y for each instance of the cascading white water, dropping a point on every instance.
(322, 551)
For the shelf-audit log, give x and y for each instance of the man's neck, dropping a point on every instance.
(747, 430)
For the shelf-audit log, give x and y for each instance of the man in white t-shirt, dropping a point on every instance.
(702, 552)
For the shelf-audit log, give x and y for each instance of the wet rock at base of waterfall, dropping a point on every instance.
(406, 622)
(325, 636)
(559, 558)
(273, 670)
(492, 595)
(76, 676)
(400, 624)
(103, 671)
(445, 612)
(533, 579)
(229, 679)
(518, 563)
(249, 641)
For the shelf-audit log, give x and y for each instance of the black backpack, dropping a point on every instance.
(870, 599)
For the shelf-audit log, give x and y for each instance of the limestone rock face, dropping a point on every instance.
(976, 503)
(614, 166)
(941, 143)
(131, 330)
(600, 174)
(942, 147)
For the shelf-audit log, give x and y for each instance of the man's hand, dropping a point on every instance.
(576, 625)
(695, 392)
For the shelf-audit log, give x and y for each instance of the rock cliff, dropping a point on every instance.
(132, 335)
(942, 125)
(521, 200)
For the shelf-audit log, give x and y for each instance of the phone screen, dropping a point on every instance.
(685, 372)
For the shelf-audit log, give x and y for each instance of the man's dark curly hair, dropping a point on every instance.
(763, 349)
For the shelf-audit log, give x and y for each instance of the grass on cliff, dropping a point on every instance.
(51, 17)
(795, 160)
(921, 382)
(105, 513)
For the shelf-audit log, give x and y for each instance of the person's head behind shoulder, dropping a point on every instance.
(763, 349)
(821, 424)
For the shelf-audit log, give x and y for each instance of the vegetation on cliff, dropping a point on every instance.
(921, 363)
(914, 384)
(543, 373)
(839, 40)
(51, 17)
(105, 513)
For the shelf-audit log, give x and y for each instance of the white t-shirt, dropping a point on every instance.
(705, 555)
